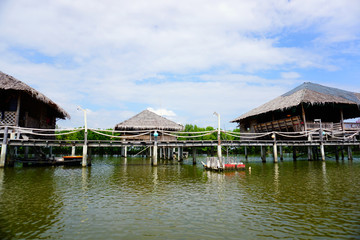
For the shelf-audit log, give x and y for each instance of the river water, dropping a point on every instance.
(119, 198)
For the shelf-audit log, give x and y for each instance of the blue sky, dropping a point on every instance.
(183, 59)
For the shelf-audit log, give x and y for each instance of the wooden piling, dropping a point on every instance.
(336, 153)
(310, 156)
(350, 157)
(85, 148)
(246, 153)
(4, 148)
(73, 148)
(154, 158)
(281, 154)
(294, 153)
(322, 151)
(194, 155)
(263, 153)
(275, 152)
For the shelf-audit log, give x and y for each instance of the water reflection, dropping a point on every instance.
(120, 198)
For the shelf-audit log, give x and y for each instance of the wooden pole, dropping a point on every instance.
(310, 157)
(194, 155)
(322, 151)
(281, 154)
(304, 117)
(337, 153)
(246, 153)
(4, 148)
(154, 158)
(350, 157)
(18, 110)
(342, 120)
(263, 153)
(73, 150)
(294, 153)
(275, 149)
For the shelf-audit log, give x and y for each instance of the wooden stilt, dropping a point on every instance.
(294, 153)
(310, 157)
(281, 154)
(337, 153)
(263, 153)
(160, 152)
(342, 153)
(246, 153)
(322, 151)
(350, 157)
(275, 152)
(4, 148)
(154, 158)
(194, 155)
(73, 150)
(85, 148)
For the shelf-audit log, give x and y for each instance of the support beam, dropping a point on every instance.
(337, 153)
(73, 150)
(294, 153)
(246, 153)
(281, 154)
(194, 155)
(4, 148)
(275, 152)
(322, 151)
(263, 153)
(154, 158)
(310, 155)
(350, 157)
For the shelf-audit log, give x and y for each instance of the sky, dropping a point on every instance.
(184, 59)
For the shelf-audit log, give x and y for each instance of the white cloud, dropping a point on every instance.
(290, 75)
(118, 57)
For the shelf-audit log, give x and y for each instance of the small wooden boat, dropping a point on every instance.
(214, 164)
(69, 160)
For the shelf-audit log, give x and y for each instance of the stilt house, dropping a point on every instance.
(147, 120)
(23, 106)
(303, 108)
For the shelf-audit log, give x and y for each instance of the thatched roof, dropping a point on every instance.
(309, 93)
(147, 120)
(8, 82)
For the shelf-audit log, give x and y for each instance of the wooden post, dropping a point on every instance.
(85, 147)
(336, 153)
(73, 151)
(4, 148)
(178, 155)
(281, 154)
(310, 157)
(294, 153)
(18, 110)
(263, 153)
(181, 158)
(246, 153)
(304, 117)
(342, 120)
(154, 158)
(169, 153)
(275, 148)
(322, 151)
(350, 157)
(160, 154)
(194, 155)
(342, 153)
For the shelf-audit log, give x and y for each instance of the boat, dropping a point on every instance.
(214, 164)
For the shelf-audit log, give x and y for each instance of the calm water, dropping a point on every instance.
(128, 199)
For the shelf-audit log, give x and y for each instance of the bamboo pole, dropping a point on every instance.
(4, 148)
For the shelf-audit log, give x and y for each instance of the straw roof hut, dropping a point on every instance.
(147, 120)
(297, 109)
(21, 105)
